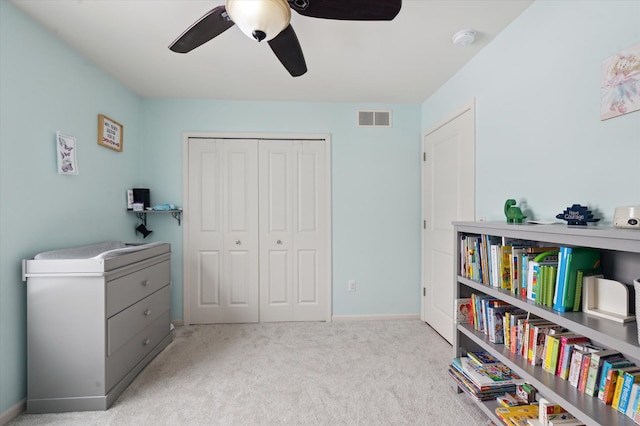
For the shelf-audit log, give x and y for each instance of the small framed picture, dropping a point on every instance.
(66, 150)
(109, 133)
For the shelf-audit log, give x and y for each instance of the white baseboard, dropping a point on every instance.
(375, 317)
(13, 412)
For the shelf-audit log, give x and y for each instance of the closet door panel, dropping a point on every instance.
(223, 231)
(292, 186)
(311, 230)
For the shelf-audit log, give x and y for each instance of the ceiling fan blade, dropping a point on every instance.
(214, 23)
(287, 48)
(352, 10)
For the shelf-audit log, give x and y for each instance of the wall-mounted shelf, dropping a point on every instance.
(177, 214)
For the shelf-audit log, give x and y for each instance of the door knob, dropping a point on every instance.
(238, 242)
(279, 242)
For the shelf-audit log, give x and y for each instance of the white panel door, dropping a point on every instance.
(294, 229)
(222, 256)
(448, 194)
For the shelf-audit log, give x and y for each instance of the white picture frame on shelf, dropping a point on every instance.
(66, 154)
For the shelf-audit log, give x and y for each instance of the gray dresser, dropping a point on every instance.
(93, 324)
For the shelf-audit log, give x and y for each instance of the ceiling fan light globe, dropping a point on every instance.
(259, 16)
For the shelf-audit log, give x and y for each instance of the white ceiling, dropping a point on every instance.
(401, 61)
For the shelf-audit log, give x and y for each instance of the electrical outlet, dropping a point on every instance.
(351, 286)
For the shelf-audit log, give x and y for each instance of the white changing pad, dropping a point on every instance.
(95, 251)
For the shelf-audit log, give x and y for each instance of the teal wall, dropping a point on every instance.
(46, 87)
(375, 183)
(539, 137)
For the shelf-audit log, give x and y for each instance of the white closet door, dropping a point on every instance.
(294, 263)
(223, 231)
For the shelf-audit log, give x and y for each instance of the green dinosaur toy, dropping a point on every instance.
(513, 213)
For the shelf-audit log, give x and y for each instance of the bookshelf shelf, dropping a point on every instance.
(620, 251)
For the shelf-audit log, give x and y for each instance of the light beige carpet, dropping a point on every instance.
(341, 373)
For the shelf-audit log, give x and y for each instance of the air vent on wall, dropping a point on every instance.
(374, 118)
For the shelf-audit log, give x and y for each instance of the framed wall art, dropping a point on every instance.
(66, 151)
(109, 133)
(621, 83)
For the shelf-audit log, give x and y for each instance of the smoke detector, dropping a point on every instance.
(464, 37)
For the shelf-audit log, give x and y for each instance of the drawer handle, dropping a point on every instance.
(147, 312)
(145, 283)
(146, 342)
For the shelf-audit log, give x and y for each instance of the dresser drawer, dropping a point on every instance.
(125, 291)
(123, 326)
(120, 362)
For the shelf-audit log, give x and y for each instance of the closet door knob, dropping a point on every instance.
(147, 312)
(238, 242)
(279, 242)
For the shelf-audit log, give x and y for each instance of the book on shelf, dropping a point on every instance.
(549, 411)
(516, 259)
(632, 404)
(510, 400)
(609, 370)
(537, 339)
(552, 352)
(548, 257)
(633, 409)
(595, 369)
(629, 378)
(611, 389)
(479, 303)
(463, 313)
(515, 320)
(472, 390)
(482, 357)
(496, 264)
(562, 265)
(575, 367)
(617, 390)
(577, 358)
(527, 329)
(484, 265)
(495, 319)
(581, 274)
(487, 309)
(584, 371)
(518, 415)
(549, 274)
(487, 375)
(567, 343)
(505, 267)
(575, 258)
(527, 392)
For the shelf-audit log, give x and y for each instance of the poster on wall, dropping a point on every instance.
(66, 150)
(109, 133)
(621, 83)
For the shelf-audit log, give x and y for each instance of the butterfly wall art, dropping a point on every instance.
(66, 150)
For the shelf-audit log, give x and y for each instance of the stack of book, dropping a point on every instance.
(482, 376)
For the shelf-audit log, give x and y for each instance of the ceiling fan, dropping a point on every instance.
(268, 20)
